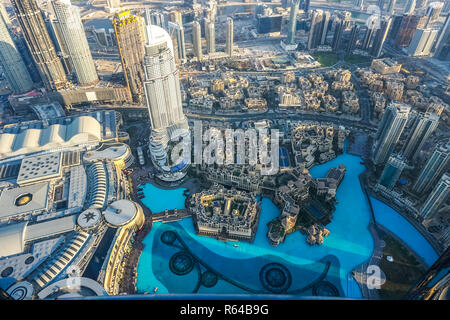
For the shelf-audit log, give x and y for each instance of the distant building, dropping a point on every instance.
(268, 23)
(435, 167)
(392, 171)
(14, 68)
(75, 40)
(408, 25)
(293, 21)
(437, 197)
(380, 36)
(422, 42)
(210, 35)
(424, 125)
(130, 40)
(442, 46)
(389, 131)
(386, 66)
(229, 37)
(40, 45)
(197, 40)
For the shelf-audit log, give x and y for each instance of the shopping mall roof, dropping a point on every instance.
(39, 167)
(12, 239)
(22, 200)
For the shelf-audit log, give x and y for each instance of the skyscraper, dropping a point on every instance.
(326, 22)
(197, 40)
(380, 36)
(392, 171)
(423, 127)
(353, 38)
(442, 46)
(410, 7)
(72, 31)
(422, 42)
(130, 41)
(338, 32)
(435, 167)
(433, 11)
(293, 21)
(210, 35)
(41, 46)
(316, 29)
(389, 131)
(408, 25)
(229, 37)
(177, 34)
(163, 99)
(11, 61)
(436, 198)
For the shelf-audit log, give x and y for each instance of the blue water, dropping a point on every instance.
(394, 222)
(349, 240)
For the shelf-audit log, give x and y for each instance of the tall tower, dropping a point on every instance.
(389, 131)
(436, 198)
(380, 36)
(229, 37)
(130, 40)
(433, 11)
(353, 38)
(424, 125)
(41, 46)
(325, 22)
(338, 31)
(11, 61)
(443, 41)
(293, 21)
(75, 40)
(177, 34)
(210, 35)
(197, 40)
(304, 5)
(436, 165)
(315, 32)
(163, 99)
(392, 171)
(391, 7)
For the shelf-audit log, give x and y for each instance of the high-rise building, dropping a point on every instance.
(326, 23)
(338, 32)
(433, 11)
(380, 36)
(197, 40)
(176, 16)
(316, 29)
(423, 127)
(436, 165)
(292, 22)
(408, 25)
(14, 68)
(442, 46)
(421, 4)
(369, 35)
(352, 42)
(392, 171)
(130, 41)
(389, 131)
(177, 34)
(163, 99)
(436, 198)
(75, 40)
(229, 37)
(41, 46)
(210, 35)
(422, 42)
(410, 7)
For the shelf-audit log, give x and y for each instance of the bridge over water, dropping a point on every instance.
(171, 215)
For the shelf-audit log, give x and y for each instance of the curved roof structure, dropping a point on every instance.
(120, 213)
(80, 130)
(89, 218)
(97, 182)
(12, 239)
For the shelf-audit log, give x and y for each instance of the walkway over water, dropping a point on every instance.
(171, 215)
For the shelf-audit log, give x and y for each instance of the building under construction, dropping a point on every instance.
(130, 40)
